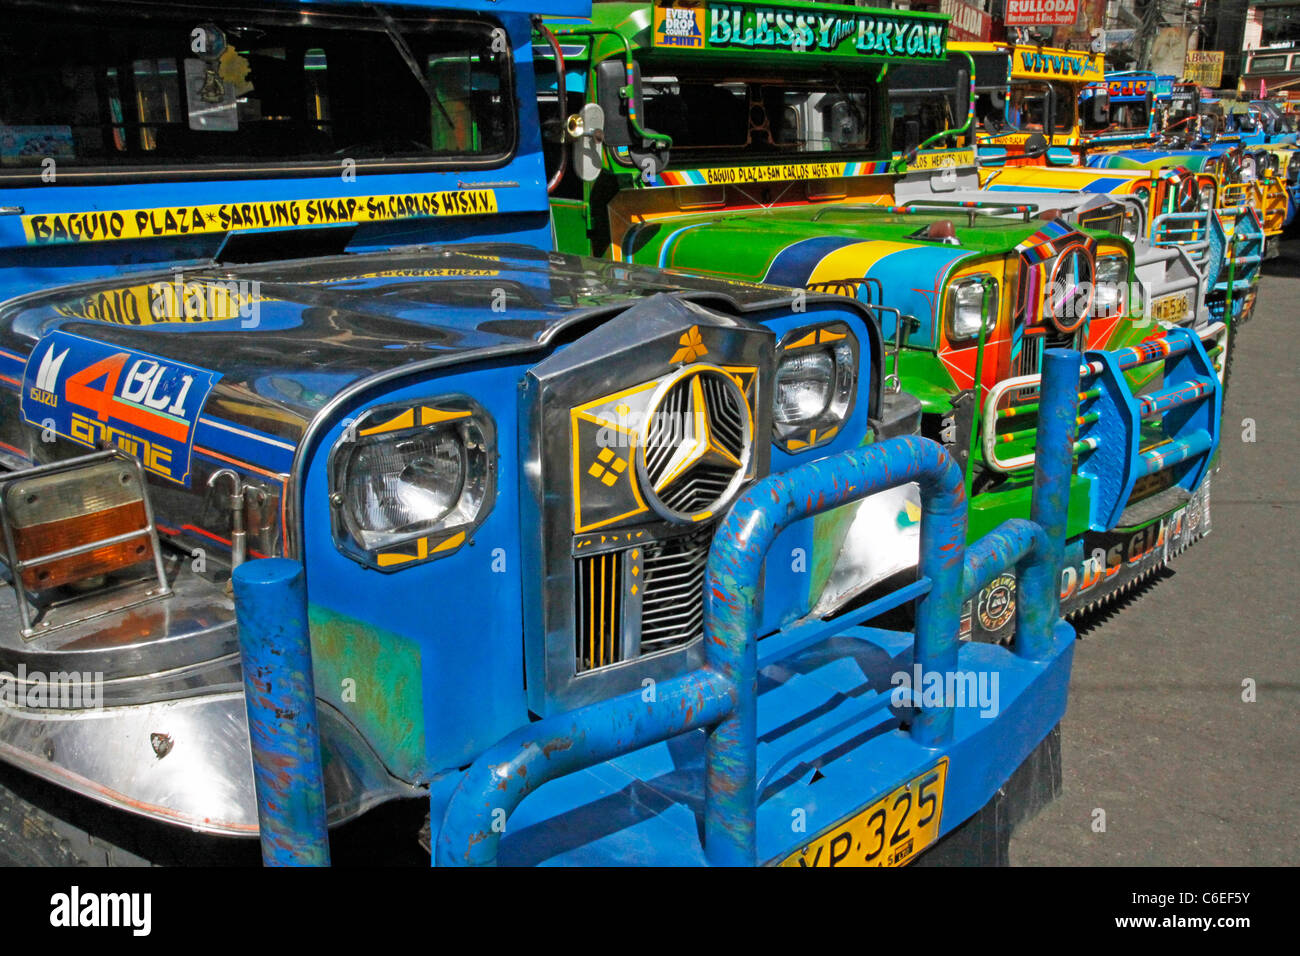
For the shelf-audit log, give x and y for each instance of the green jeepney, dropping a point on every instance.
(758, 143)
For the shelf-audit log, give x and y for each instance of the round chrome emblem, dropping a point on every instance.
(695, 444)
(1069, 297)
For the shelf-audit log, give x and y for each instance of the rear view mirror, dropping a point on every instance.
(1049, 110)
(911, 136)
(961, 99)
(611, 89)
(1099, 109)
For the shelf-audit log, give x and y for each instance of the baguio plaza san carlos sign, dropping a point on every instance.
(799, 29)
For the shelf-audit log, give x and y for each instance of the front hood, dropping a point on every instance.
(829, 248)
(1065, 179)
(268, 345)
(1194, 160)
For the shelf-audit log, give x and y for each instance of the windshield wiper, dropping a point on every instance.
(399, 41)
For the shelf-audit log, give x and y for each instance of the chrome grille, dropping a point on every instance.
(1037, 333)
(598, 593)
(672, 610)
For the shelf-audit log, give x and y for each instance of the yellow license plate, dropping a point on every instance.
(890, 832)
(1171, 309)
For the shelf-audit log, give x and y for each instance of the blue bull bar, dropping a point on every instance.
(1229, 257)
(721, 698)
(1124, 436)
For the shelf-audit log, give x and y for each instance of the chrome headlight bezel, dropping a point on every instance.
(836, 342)
(1207, 197)
(957, 322)
(1131, 228)
(1109, 291)
(463, 426)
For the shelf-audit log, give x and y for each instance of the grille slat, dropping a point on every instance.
(598, 584)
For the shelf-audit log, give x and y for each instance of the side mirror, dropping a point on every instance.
(961, 101)
(1049, 110)
(611, 94)
(911, 136)
(1036, 145)
(587, 131)
(1099, 109)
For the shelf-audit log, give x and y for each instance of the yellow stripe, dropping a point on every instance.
(855, 260)
(405, 419)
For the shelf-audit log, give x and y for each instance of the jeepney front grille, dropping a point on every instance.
(1036, 332)
(639, 601)
(672, 611)
(598, 611)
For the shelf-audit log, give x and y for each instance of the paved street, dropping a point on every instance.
(1157, 733)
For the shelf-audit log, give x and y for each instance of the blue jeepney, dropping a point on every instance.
(316, 459)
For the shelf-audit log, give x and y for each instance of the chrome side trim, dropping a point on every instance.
(184, 762)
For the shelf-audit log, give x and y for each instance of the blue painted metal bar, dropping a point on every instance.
(500, 778)
(1007, 545)
(1157, 403)
(731, 614)
(1039, 607)
(1175, 452)
(797, 637)
(280, 695)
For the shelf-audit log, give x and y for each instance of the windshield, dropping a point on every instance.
(1027, 109)
(726, 116)
(925, 100)
(148, 85)
(1123, 116)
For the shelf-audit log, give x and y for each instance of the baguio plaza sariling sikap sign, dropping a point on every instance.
(800, 29)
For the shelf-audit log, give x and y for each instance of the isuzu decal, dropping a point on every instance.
(167, 221)
(102, 396)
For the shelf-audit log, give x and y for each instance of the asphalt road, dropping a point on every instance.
(1157, 734)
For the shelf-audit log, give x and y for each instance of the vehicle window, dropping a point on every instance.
(182, 85)
(1027, 108)
(1268, 64)
(727, 116)
(930, 114)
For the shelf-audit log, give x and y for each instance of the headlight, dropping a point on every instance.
(1112, 277)
(816, 383)
(1206, 201)
(410, 482)
(803, 387)
(966, 307)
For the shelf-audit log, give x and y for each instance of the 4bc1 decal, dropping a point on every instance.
(102, 396)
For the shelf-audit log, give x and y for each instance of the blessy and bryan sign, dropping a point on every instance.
(802, 29)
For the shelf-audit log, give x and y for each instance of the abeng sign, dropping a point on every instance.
(968, 22)
(1032, 13)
